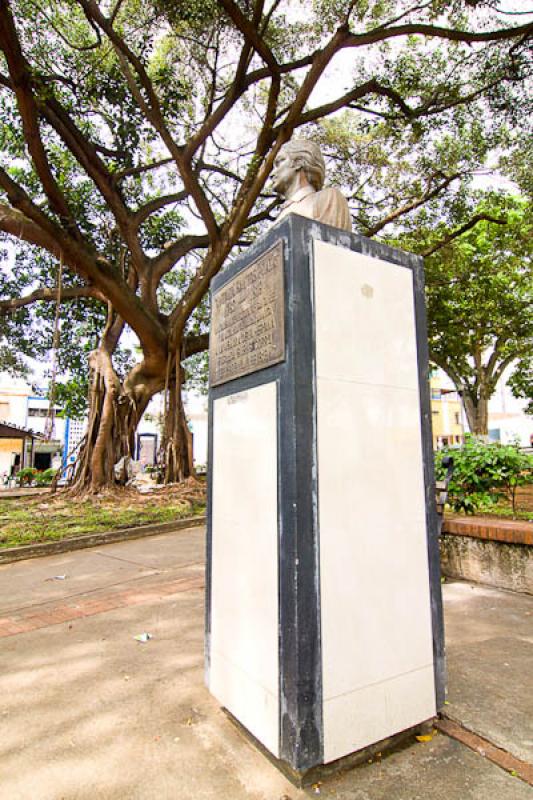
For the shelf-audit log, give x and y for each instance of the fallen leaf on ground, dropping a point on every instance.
(426, 737)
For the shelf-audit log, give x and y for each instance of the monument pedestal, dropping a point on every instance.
(324, 615)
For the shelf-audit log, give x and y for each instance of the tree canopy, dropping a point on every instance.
(479, 295)
(137, 139)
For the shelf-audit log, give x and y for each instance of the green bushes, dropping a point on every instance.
(484, 473)
(26, 476)
(30, 476)
(46, 477)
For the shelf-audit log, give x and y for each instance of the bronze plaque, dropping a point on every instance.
(248, 320)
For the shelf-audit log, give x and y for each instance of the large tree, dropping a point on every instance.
(479, 284)
(167, 119)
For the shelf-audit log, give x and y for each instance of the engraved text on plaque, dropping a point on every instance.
(248, 320)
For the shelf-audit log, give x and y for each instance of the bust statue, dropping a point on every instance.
(298, 175)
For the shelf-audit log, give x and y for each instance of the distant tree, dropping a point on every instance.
(479, 294)
(521, 381)
(137, 140)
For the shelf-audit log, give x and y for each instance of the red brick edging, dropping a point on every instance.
(495, 530)
(521, 769)
(30, 620)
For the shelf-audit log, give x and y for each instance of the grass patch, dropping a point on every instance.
(505, 511)
(501, 508)
(29, 520)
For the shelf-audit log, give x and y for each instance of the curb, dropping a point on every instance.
(10, 554)
(490, 529)
(485, 748)
(14, 494)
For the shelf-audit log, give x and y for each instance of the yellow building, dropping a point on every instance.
(22, 420)
(13, 405)
(16, 449)
(446, 414)
(11, 455)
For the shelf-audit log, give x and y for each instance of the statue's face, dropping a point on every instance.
(283, 172)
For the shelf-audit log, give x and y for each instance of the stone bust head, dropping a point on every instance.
(299, 162)
(298, 175)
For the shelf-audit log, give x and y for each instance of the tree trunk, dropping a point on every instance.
(176, 448)
(115, 410)
(477, 413)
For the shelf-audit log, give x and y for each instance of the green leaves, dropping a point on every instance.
(479, 291)
(483, 472)
(521, 381)
(188, 87)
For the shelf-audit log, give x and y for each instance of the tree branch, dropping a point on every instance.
(21, 81)
(459, 231)
(250, 32)
(237, 89)
(87, 155)
(435, 31)
(26, 221)
(502, 367)
(371, 86)
(264, 214)
(45, 293)
(429, 194)
(85, 152)
(139, 170)
(18, 224)
(164, 262)
(380, 34)
(157, 204)
(152, 110)
(195, 344)
(201, 165)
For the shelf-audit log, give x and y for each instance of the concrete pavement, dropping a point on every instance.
(490, 664)
(86, 711)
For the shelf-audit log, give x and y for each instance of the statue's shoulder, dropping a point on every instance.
(330, 196)
(331, 190)
(330, 206)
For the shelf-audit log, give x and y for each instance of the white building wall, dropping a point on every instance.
(507, 419)
(36, 416)
(196, 410)
(14, 393)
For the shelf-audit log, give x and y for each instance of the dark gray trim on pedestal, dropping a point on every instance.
(300, 659)
(432, 524)
(301, 742)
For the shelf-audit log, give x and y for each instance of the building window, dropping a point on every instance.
(436, 394)
(457, 418)
(37, 412)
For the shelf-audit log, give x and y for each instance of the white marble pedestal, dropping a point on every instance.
(324, 618)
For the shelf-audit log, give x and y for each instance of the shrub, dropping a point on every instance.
(46, 477)
(484, 472)
(26, 476)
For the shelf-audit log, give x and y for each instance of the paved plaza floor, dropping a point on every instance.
(87, 711)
